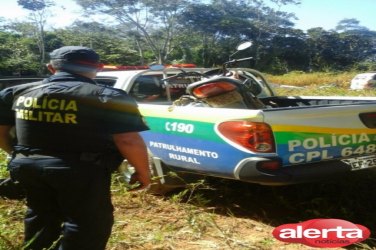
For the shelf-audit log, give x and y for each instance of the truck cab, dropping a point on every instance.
(147, 85)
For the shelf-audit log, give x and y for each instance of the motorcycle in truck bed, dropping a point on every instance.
(229, 123)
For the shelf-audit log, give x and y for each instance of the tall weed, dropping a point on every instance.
(300, 79)
(316, 84)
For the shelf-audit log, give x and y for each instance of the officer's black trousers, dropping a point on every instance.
(69, 203)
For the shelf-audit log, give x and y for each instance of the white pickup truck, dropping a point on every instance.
(287, 140)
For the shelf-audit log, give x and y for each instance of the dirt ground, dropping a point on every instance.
(155, 223)
(224, 215)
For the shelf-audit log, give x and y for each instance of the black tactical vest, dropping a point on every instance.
(72, 114)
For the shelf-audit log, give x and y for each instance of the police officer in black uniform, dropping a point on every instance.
(71, 133)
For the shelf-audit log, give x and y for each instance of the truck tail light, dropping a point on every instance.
(255, 136)
(213, 89)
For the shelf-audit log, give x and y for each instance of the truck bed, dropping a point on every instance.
(310, 101)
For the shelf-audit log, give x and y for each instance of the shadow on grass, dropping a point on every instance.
(349, 197)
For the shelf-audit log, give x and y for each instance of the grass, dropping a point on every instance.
(301, 79)
(323, 91)
(318, 84)
(226, 214)
(221, 214)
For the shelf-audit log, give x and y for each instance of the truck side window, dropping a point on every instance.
(106, 81)
(148, 88)
(12, 81)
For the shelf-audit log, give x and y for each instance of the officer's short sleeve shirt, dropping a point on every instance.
(69, 114)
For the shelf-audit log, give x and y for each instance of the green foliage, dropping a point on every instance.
(34, 5)
(367, 65)
(153, 24)
(17, 59)
(3, 162)
(11, 215)
(116, 50)
(349, 24)
(201, 32)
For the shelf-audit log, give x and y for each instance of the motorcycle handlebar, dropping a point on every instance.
(238, 60)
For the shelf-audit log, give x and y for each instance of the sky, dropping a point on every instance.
(310, 13)
(327, 13)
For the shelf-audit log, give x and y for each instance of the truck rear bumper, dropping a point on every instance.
(250, 171)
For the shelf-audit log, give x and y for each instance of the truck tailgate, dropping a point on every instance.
(324, 133)
(186, 137)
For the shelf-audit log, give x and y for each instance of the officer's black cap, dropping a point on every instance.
(75, 54)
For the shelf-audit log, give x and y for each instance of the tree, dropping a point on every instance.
(349, 24)
(287, 53)
(38, 15)
(112, 48)
(341, 50)
(16, 56)
(151, 22)
(200, 32)
(358, 43)
(210, 26)
(325, 47)
(224, 24)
